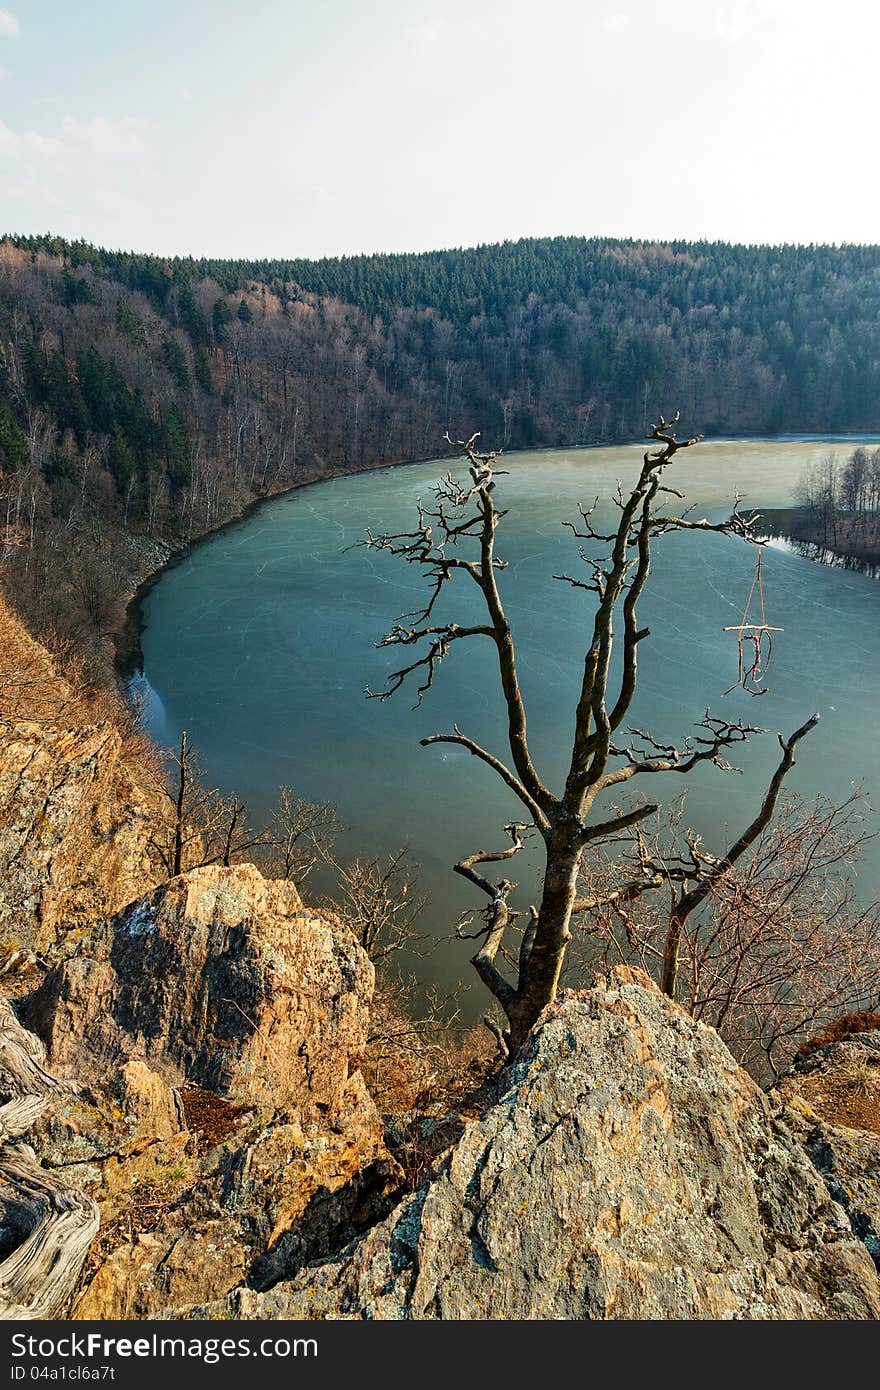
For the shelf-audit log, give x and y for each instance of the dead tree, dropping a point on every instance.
(47, 1226)
(455, 535)
(300, 835)
(380, 903)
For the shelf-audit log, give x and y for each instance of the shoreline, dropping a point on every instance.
(811, 548)
(127, 651)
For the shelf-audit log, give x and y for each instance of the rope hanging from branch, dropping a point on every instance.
(754, 641)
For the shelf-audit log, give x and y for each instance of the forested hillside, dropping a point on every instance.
(154, 397)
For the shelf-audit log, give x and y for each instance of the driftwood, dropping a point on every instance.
(46, 1228)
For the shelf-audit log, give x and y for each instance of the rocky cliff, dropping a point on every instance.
(206, 1095)
(207, 1039)
(77, 813)
(185, 1130)
(626, 1168)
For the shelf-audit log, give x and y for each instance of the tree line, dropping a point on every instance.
(838, 505)
(159, 396)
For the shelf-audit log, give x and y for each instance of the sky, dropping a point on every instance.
(296, 128)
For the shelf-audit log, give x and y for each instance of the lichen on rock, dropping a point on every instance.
(627, 1168)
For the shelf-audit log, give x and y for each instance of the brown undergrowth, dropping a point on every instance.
(414, 1062)
(53, 684)
(136, 1212)
(847, 1095)
(861, 1021)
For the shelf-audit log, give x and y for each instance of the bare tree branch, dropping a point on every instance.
(462, 515)
(538, 815)
(689, 901)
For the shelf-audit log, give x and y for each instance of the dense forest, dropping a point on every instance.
(154, 398)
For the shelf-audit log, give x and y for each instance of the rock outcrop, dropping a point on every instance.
(831, 1101)
(214, 1029)
(220, 978)
(628, 1168)
(75, 830)
(78, 810)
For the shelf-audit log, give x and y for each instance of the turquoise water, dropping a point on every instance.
(261, 641)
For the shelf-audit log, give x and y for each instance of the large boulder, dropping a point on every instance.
(213, 1030)
(628, 1168)
(221, 978)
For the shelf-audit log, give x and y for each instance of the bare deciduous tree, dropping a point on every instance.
(380, 903)
(300, 834)
(455, 536)
(204, 827)
(771, 945)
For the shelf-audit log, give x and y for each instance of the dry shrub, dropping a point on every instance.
(861, 1021)
(418, 1059)
(782, 943)
(53, 684)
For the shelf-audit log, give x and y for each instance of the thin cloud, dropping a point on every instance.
(104, 136)
(100, 137)
(39, 194)
(737, 21)
(9, 25)
(42, 146)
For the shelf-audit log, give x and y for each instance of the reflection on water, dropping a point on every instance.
(820, 554)
(261, 642)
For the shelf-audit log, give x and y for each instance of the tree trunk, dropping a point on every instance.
(180, 809)
(49, 1227)
(669, 977)
(539, 972)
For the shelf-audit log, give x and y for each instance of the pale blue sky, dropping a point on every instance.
(279, 127)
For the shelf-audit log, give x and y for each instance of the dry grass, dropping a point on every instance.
(31, 686)
(53, 686)
(138, 1211)
(848, 1095)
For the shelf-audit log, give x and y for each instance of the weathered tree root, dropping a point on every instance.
(47, 1227)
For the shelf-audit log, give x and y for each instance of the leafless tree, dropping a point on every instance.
(380, 902)
(454, 537)
(300, 834)
(417, 1053)
(203, 827)
(772, 943)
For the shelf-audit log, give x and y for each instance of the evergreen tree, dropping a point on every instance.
(220, 317)
(76, 290)
(121, 461)
(191, 316)
(13, 443)
(176, 450)
(202, 370)
(175, 361)
(127, 320)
